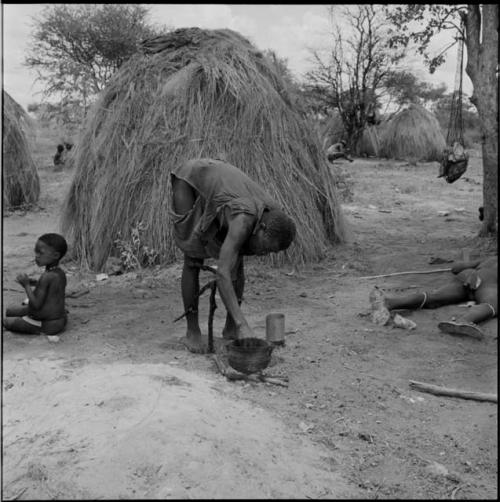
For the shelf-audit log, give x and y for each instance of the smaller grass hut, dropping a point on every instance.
(21, 183)
(414, 134)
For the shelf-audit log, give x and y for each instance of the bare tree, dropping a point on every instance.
(351, 77)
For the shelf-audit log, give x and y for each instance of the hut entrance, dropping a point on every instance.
(455, 158)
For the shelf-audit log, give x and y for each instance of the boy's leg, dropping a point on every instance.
(19, 325)
(16, 311)
(229, 330)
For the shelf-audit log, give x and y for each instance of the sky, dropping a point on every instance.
(291, 30)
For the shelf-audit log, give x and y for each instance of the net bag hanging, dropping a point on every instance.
(455, 158)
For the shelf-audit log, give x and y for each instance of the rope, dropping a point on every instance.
(455, 125)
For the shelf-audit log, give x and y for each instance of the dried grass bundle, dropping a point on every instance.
(194, 93)
(414, 134)
(21, 183)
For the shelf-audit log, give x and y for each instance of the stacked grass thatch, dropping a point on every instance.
(414, 134)
(194, 93)
(20, 180)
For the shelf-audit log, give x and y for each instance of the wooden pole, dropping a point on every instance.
(213, 306)
(443, 391)
(408, 273)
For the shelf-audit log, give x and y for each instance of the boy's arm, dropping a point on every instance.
(37, 296)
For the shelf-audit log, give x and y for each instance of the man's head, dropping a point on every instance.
(49, 249)
(60, 148)
(275, 233)
(343, 142)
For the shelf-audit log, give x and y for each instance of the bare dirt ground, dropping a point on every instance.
(117, 409)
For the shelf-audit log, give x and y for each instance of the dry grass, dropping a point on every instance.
(21, 184)
(201, 93)
(413, 134)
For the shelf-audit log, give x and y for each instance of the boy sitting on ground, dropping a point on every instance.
(473, 281)
(45, 312)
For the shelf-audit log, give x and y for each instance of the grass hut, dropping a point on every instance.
(20, 180)
(414, 134)
(194, 93)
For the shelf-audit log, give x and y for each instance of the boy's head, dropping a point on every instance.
(60, 148)
(49, 249)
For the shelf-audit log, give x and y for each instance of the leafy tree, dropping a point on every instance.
(477, 24)
(442, 109)
(76, 48)
(403, 87)
(352, 77)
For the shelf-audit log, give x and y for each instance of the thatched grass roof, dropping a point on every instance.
(194, 93)
(20, 180)
(413, 134)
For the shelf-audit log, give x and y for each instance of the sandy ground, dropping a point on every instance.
(117, 409)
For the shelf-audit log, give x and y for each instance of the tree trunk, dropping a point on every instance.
(482, 60)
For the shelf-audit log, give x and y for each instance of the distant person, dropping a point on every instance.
(472, 281)
(45, 312)
(59, 157)
(337, 151)
(219, 212)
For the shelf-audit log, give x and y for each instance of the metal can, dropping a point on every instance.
(275, 328)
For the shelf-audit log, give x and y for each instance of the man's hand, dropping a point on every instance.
(245, 332)
(473, 280)
(23, 280)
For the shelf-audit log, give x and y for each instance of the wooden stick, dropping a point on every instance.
(213, 306)
(77, 294)
(408, 273)
(443, 391)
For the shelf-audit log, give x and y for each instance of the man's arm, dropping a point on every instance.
(240, 228)
(462, 265)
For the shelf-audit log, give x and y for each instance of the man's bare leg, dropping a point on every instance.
(229, 330)
(190, 287)
(487, 298)
(451, 293)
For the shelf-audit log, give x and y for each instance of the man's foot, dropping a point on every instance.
(196, 343)
(461, 328)
(380, 313)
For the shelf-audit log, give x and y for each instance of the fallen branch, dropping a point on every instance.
(77, 294)
(443, 391)
(408, 273)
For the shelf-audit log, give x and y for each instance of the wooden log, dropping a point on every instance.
(408, 273)
(444, 391)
